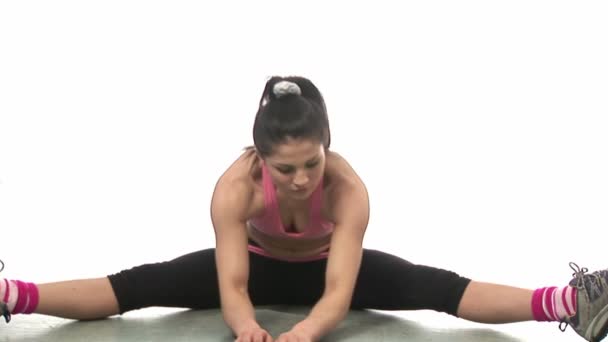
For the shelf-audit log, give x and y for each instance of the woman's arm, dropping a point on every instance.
(229, 208)
(350, 213)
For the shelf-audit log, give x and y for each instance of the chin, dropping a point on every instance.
(300, 195)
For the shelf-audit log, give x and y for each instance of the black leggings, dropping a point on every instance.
(385, 282)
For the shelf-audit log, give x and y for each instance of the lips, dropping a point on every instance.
(299, 190)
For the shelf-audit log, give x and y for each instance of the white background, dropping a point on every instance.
(479, 127)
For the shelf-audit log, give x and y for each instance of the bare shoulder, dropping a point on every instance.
(237, 189)
(338, 171)
(341, 182)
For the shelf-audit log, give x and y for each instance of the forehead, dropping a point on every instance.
(295, 151)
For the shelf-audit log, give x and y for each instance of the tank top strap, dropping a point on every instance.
(316, 203)
(270, 198)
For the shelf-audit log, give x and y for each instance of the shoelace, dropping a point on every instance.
(579, 274)
(3, 308)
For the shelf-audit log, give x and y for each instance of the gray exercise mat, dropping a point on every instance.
(207, 325)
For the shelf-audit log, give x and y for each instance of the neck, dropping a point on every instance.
(292, 203)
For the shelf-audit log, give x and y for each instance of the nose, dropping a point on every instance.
(300, 179)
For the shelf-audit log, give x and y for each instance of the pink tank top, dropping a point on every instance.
(269, 222)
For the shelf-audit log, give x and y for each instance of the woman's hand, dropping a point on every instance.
(254, 335)
(294, 336)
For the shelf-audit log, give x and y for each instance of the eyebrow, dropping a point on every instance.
(313, 159)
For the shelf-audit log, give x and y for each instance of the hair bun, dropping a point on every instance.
(283, 88)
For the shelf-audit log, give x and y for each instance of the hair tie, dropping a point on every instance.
(283, 88)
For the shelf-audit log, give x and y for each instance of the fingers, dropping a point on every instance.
(256, 335)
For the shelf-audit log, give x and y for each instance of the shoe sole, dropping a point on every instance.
(4, 312)
(599, 326)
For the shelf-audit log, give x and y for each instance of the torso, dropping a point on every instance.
(295, 219)
(288, 248)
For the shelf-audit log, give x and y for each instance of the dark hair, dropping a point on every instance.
(294, 113)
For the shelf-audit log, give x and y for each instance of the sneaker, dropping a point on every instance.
(3, 307)
(591, 318)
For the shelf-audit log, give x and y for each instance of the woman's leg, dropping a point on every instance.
(582, 304)
(423, 287)
(493, 303)
(387, 282)
(189, 281)
(78, 299)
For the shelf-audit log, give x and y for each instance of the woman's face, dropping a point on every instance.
(296, 167)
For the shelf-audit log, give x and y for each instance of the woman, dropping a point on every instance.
(289, 218)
